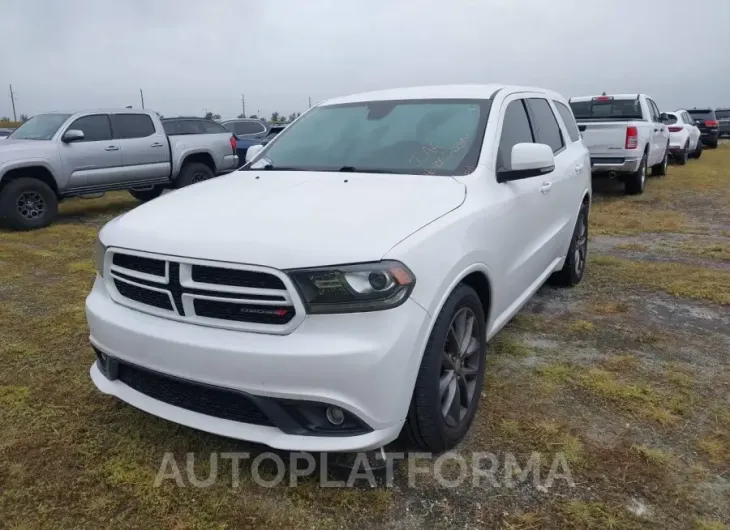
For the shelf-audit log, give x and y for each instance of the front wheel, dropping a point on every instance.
(27, 204)
(451, 376)
(660, 169)
(575, 262)
(636, 182)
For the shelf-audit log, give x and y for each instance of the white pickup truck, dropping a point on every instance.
(625, 134)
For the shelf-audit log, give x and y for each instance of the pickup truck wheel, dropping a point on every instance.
(636, 182)
(575, 262)
(27, 204)
(450, 379)
(192, 173)
(683, 155)
(661, 168)
(147, 195)
(698, 150)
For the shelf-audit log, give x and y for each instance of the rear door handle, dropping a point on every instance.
(545, 187)
(112, 148)
(156, 144)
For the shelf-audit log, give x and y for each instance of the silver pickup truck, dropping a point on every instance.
(55, 156)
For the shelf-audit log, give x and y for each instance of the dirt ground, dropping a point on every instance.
(627, 376)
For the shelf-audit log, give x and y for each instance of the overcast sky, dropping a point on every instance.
(190, 55)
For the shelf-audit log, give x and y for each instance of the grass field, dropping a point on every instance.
(628, 375)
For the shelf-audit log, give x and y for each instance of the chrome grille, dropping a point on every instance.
(235, 296)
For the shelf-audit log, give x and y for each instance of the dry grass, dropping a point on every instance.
(618, 397)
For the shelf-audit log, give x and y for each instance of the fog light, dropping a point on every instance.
(335, 415)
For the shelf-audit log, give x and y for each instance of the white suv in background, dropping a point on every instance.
(341, 287)
(684, 137)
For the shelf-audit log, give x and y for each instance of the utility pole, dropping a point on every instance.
(310, 102)
(141, 96)
(12, 100)
(243, 106)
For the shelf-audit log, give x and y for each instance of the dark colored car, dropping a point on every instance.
(707, 123)
(4, 132)
(723, 116)
(248, 132)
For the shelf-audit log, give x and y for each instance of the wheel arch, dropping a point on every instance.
(36, 171)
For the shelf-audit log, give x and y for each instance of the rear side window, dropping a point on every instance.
(515, 130)
(132, 126)
(619, 109)
(547, 130)
(245, 127)
(722, 114)
(672, 118)
(96, 127)
(568, 120)
(211, 127)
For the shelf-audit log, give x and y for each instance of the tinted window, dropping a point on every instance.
(654, 110)
(672, 118)
(619, 109)
(547, 130)
(132, 125)
(722, 114)
(211, 127)
(95, 127)
(416, 136)
(245, 127)
(702, 114)
(40, 127)
(515, 130)
(177, 127)
(568, 120)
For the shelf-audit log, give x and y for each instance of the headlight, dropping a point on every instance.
(354, 288)
(99, 253)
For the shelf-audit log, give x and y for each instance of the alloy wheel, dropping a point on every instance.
(199, 177)
(581, 245)
(31, 205)
(459, 366)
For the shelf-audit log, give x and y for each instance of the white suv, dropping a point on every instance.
(342, 287)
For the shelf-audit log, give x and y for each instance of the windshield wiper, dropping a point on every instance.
(353, 169)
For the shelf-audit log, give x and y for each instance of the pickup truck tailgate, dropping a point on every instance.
(604, 139)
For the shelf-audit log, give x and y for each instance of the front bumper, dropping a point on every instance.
(601, 165)
(364, 363)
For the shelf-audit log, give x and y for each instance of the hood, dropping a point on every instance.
(11, 147)
(287, 219)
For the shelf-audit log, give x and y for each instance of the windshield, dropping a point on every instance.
(620, 109)
(422, 136)
(41, 127)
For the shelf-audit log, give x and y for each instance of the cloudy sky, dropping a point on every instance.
(190, 55)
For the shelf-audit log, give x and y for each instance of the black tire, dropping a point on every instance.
(192, 173)
(577, 258)
(27, 204)
(635, 183)
(147, 195)
(712, 144)
(683, 155)
(660, 169)
(427, 427)
(698, 150)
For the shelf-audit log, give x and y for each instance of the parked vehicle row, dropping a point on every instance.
(348, 295)
(249, 132)
(706, 120)
(54, 156)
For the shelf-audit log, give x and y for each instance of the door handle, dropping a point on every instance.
(112, 148)
(156, 144)
(579, 168)
(545, 187)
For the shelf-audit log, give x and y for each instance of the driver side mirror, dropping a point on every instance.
(528, 160)
(252, 151)
(72, 135)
